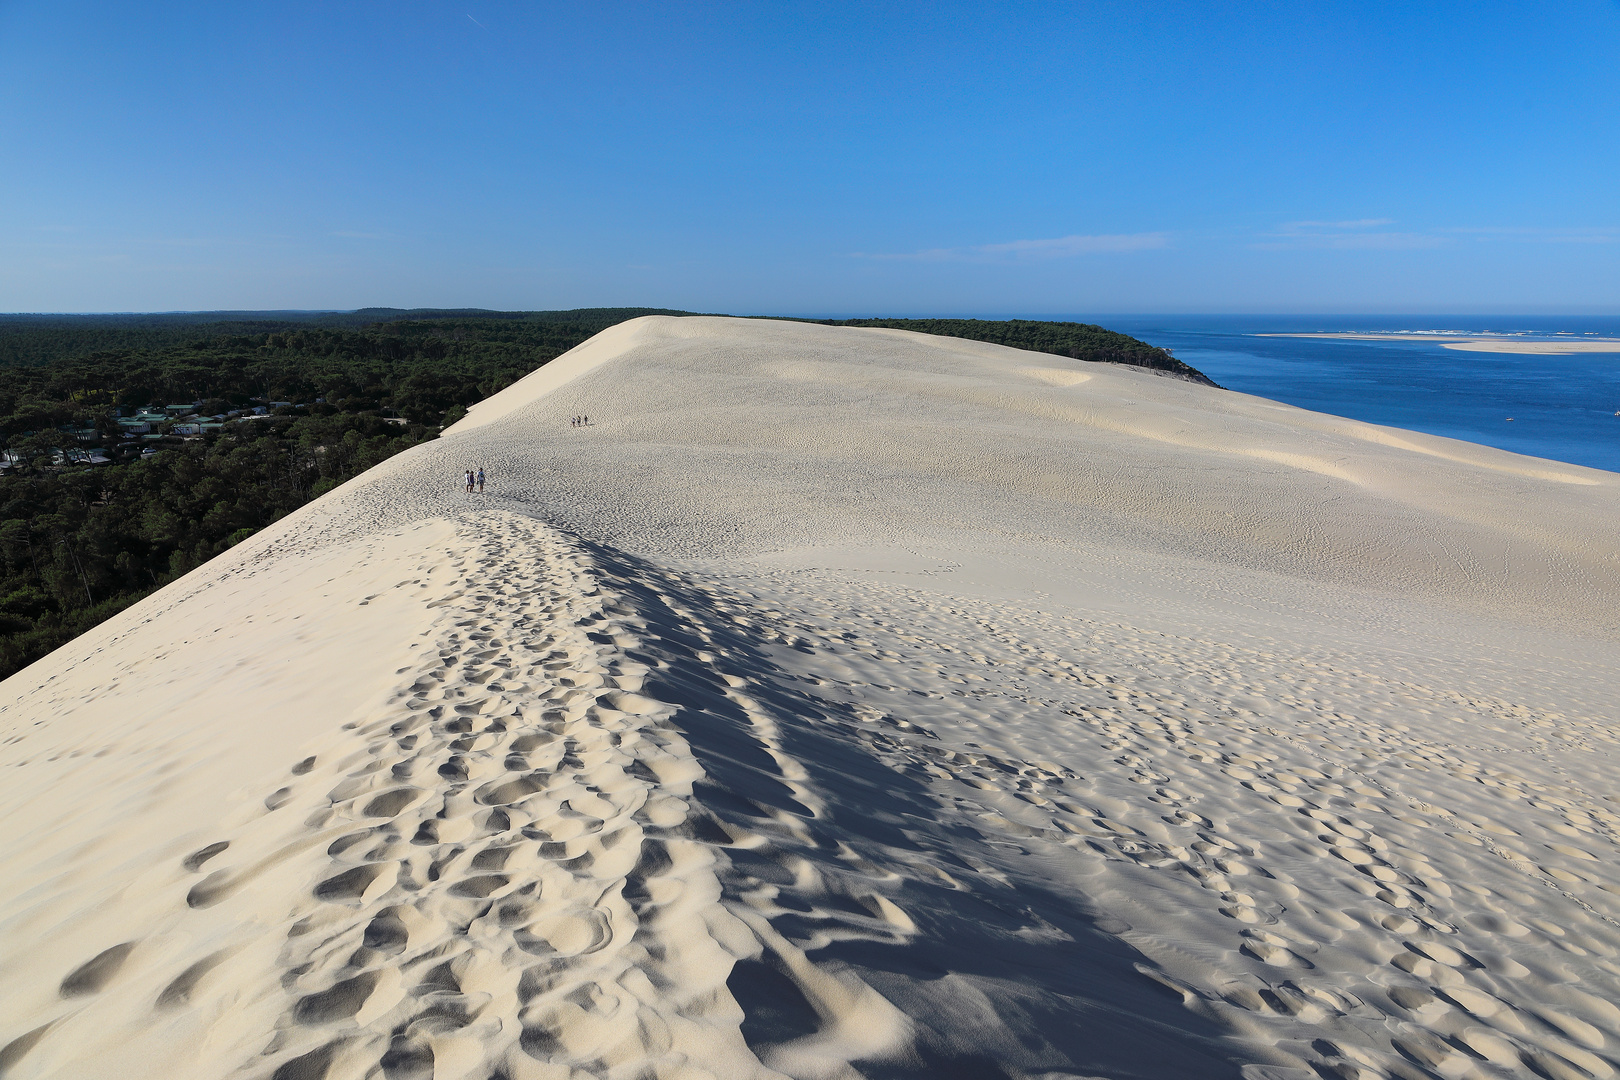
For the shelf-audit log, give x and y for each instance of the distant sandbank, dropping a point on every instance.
(1483, 344)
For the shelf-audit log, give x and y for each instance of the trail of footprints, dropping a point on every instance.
(505, 875)
(505, 890)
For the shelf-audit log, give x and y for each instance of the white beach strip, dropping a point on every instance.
(841, 703)
(1535, 348)
(1491, 344)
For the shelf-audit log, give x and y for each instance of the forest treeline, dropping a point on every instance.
(140, 446)
(1078, 341)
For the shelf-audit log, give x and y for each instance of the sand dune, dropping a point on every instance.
(843, 702)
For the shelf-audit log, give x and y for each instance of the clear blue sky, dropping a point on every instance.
(811, 158)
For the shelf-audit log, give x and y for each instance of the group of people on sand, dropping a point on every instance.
(580, 421)
(475, 480)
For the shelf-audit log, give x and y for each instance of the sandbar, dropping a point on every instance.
(1466, 343)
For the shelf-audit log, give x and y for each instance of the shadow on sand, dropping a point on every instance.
(869, 874)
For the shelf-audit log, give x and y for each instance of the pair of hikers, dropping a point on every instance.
(475, 479)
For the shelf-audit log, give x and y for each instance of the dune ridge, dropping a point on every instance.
(843, 703)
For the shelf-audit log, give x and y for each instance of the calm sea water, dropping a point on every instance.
(1563, 407)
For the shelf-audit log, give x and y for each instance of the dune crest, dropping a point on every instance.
(843, 703)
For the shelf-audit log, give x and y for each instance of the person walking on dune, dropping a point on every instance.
(480, 481)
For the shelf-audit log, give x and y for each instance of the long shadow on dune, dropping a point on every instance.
(1005, 974)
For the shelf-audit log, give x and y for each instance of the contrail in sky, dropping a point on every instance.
(476, 23)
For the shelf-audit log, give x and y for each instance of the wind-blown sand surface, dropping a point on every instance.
(1463, 343)
(843, 702)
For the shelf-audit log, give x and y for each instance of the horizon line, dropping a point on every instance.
(889, 314)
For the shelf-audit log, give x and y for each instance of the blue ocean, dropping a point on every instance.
(1562, 407)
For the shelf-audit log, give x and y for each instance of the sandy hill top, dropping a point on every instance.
(843, 702)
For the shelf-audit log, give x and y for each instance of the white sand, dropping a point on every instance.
(1464, 343)
(844, 702)
(1536, 348)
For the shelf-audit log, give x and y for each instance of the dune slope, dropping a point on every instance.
(837, 703)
